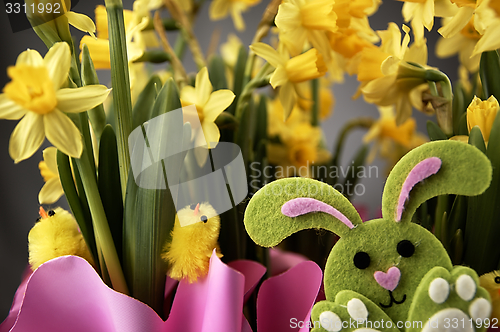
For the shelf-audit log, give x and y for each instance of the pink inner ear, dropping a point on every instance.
(303, 205)
(421, 171)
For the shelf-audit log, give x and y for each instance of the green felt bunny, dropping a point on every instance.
(389, 273)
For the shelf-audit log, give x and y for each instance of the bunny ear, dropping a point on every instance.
(435, 168)
(286, 206)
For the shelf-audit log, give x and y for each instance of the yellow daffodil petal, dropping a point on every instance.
(279, 77)
(416, 53)
(58, 61)
(99, 51)
(288, 17)
(30, 58)
(212, 134)
(45, 172)
(81, 99)
(457, 23)
(188, 95)
(9, 110)
(62, 133)
(219, 100)
(239, 24)
(288, 97)
(446, 47)
(307, 66)
(203, 87)
(428, 14)
(50, 158)
(26, 137)
(489, 41)
(389, 65)
(81, 22)
(371, 61)
(378, 88)
(101, 19)
(319, 15)
(268, 53)
(218, 9)
(403, 109)
(50, 192)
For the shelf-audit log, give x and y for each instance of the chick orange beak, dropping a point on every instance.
(42, 213)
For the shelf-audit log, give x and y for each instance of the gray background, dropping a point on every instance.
(20, 184)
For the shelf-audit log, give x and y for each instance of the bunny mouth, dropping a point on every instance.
(393, 300)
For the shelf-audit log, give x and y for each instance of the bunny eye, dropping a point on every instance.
(361, 260)
(204, 218)
(497, 280)
(406, 248)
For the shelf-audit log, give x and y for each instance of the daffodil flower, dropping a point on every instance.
(35, 94)
(99, 47)
(221, 8)
(289, 71)
(462, 43)
(482, 113)
(52, 189)
(209, 104)
(475, 25)
(299, 21)
(388, 74)
(421, 14)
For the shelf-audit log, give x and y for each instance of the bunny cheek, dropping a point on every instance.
(384, 261)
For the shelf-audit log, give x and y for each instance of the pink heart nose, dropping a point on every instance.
(388, 280)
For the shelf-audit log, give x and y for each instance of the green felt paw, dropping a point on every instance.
(450, 301)
(350, 311)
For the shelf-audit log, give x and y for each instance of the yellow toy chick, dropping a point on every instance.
(491, 281)
(55, 234)
(194, 237)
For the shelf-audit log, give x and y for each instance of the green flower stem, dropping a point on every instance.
(187, 32)
(315, 105)
(121, 85)
(85, 129)
(363, 122)
(260, 80)
(101, 227)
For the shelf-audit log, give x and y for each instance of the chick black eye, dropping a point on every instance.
(497, 280)
(192, 206)
(204, 218)
(51, 213)
(361, 260)
(406, 248)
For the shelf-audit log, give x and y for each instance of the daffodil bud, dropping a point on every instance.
(482, 113)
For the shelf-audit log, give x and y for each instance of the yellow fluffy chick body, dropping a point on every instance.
(56, 234)
(491, 282)
(191, 246)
